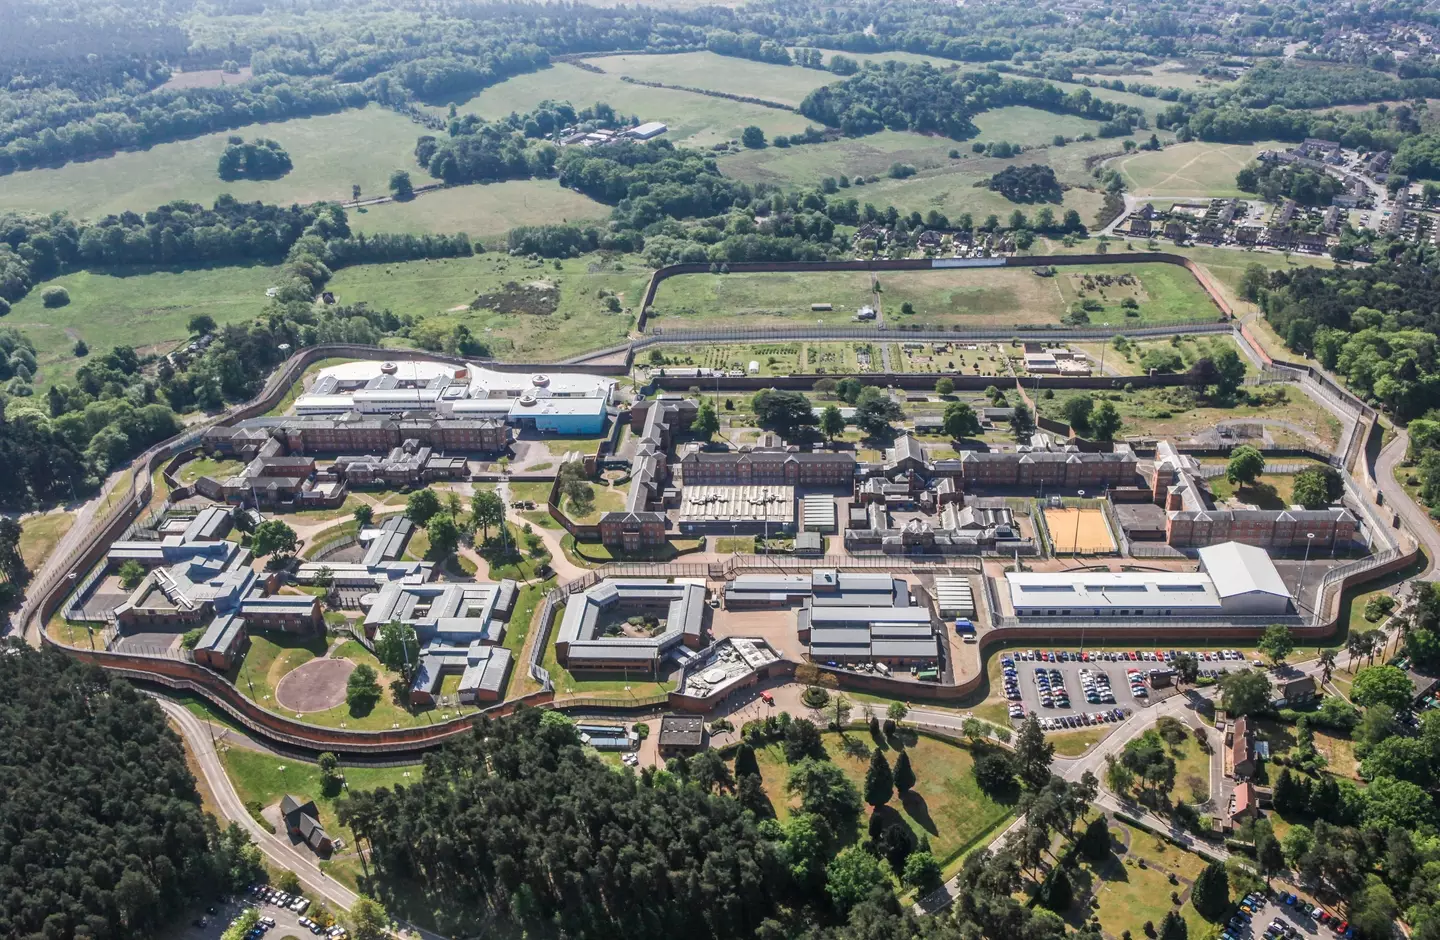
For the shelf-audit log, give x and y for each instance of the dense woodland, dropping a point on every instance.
(1276, 182)
(101, 832)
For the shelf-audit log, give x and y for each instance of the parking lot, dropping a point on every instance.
(1102, 667)
(287, 923)
(1271, 917)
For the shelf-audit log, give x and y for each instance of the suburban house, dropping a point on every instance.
(302, 821)
(1243, 762)
(1244, 803)
(1297, 691)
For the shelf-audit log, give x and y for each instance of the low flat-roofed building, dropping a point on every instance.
(1245, 579)
(737, 509)
(483, 672)
(586, 642)
(355, 574)
(681, 734)
(729, 665)
(455, 613)
(223, 642)
(954, 596)
(895, 635)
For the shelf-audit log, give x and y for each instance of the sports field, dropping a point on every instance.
(758, 300)
(694, 120)
(1189, 169)
(1078, 530)
(441, 291)
(784, 84)
(145, 308)
(484, 212)
(331, 152)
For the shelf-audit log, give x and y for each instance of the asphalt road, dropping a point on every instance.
(1417, 521)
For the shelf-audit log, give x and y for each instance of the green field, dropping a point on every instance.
(39, 534)
(147, 308)
(785, 84)
(484, 212)
(1029, 126)
(331, 152)
(442, 290)
(1171, 74)
(694, 120)
(1189, 169)
(973, 297)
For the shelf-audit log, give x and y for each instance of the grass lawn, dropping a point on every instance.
(148, 308)
(607, 499)
(441, 291)
(1072, 743)
(1175, 413)
(782, 83)
(1169, 74)
(1269, 491)
(560, 446)
(1129, 894)
(972, 297)
(39, 535)
(484, 212)
(693, 120)
(1189, 169)
(518, 630)
(1192, 772)
(271, 655)
(331, 153)
(264, 778)
(1019, 124)
(192, 470)
(946, 804)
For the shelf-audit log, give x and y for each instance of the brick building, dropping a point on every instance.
(769, 466)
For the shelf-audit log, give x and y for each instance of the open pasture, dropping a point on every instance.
(1189, 169)
(785, 84)
(484, 212)
(331, 152)
(694, 120)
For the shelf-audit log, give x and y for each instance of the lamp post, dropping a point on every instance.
(1075, 545)
(1300, 591)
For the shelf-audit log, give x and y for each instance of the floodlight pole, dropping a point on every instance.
(1300, 591)
(1075, 545)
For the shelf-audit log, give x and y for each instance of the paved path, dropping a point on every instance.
(276, 848)
(1417, 520)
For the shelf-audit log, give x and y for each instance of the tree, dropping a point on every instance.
(1211, 892)
(1077, 412)
(1245, 692)
(897, 711)
(1318, 487)
(1056, 891)
(422, 506)
(239, 929)
(1277, 642)
(1033, 754)
(960, 420)
(707, 422)
(1229, 372)
(201, 324)
(1246, 464)
(487, 509)
(1187, 668)
(832, 423)
(1297, 843)
(444, 534)
(55, 296)
(273, 537)
(398, 648)
(851, 877)
(1268, 855)
(824, 790)
(944, 386)
(1022, 424)
(400, 186)
(368, 919)
(330, 779)
(752, 137)
(879, 781)
(1382, 685)
(363, 515)
(745, 762)
(362, 690)
(1105, 421)
(1172, 927)
(131, 573)
(1094, 844)
(874, 412)
(904, 773)
(782, 412)
(922, 872)
(802, 740)
(994, 773)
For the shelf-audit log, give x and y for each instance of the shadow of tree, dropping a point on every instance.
(917, 809)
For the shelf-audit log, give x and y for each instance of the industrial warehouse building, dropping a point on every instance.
(730, 510)
(1234, 580)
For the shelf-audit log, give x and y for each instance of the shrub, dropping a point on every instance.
(55, 296)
